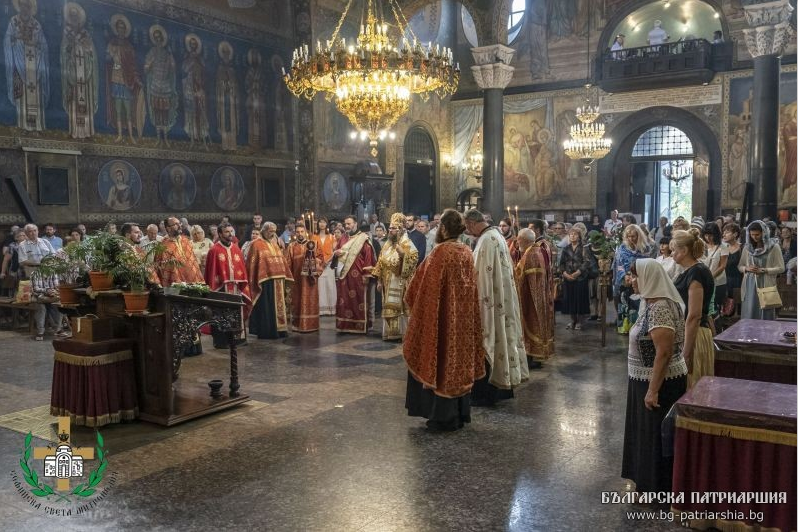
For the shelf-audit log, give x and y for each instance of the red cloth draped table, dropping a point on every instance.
(757, 350)
(736, 437)
(94, 383)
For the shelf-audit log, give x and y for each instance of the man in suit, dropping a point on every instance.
(418, 240)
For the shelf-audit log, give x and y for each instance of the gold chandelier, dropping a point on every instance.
(373, 79)
(587, 141)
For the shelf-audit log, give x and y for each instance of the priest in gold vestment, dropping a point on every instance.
(395, 267)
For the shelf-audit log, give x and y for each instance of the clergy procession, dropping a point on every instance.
(473, 318)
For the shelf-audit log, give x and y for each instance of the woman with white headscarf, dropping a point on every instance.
(657, 375)
(760, 263)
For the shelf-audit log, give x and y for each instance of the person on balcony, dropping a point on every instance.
(616, 49)
(657, 36)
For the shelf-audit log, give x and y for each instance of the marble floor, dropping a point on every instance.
(325, 444)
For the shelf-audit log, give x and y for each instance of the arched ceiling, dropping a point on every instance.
(490, 17)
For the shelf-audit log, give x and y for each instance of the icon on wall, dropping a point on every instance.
(335, 191)
(227, 188)
(119, 185)
(177, 186)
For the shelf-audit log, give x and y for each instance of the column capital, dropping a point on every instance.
(770, 30)
(495, 76)
(495, 53)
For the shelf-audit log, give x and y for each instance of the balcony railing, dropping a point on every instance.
(678, 63)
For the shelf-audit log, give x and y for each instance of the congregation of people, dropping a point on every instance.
(472, 301)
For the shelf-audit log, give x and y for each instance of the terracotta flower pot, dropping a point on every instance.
(136, 302)
(67, 295)
(101, 281)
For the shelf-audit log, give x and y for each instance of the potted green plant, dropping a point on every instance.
(67, 264)
(133, 270)
(102, 251)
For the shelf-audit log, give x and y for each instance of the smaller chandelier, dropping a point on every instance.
(677, 171)
(587, 142)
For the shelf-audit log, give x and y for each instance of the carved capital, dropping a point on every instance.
(770, 30)
(495, 76)
(495, 53)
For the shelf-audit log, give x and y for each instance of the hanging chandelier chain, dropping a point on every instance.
(341, 22)
(400, 15)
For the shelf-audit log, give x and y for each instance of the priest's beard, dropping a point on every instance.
(393, 239)
(353, 232)
(508, 234)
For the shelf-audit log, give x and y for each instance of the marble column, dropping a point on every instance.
(766, 38)
(492, 72)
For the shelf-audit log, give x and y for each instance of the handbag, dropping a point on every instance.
(768, 297)
(645, 345)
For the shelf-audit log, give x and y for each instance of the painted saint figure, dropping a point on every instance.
(159, 72)
(27, 66)
(195, 102)
(232, 191)
(124, 96)
(120, 195)
(255, 86)
(227, 97)
(79, 73)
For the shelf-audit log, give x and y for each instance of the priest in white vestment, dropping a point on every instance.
(502, 335)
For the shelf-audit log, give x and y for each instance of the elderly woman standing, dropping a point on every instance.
(657, 376)
(574, 267)
(201, 245)
(633, 248)
(760, 263)
(696, 285)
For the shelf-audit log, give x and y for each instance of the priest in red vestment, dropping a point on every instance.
(443, 345)
(268, 270)
(177, 248)
(226, 271)
(533, 275)
(506, 229)
(306, 267)
(355, 258)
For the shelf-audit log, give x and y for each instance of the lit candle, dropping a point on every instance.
(510, 216)
(516, 215)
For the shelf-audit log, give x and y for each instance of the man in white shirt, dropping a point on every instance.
(612, 223)
(422, 226)
(660, 232)
(151, 236)
(52, 238)
(32, 250)
(657, 35)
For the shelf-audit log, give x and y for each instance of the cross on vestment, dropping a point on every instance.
(64, 438)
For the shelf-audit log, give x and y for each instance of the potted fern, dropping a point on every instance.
(102, 251)
(133, 271)
(67, 264)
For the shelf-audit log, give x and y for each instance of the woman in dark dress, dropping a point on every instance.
(731, 237)
(574, 268)
(657, 376)
(696, 285)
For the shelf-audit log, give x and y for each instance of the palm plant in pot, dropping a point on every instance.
(103, 251)
(67, 264)
(133, 270)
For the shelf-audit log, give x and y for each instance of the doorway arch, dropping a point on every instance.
(614, 186)
(420, 171)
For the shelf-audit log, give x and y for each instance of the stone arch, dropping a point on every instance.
(630, 7)
(481, 15)
(617, 164)
(437, 185)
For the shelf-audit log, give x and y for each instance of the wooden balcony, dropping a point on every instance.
(675, 64)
